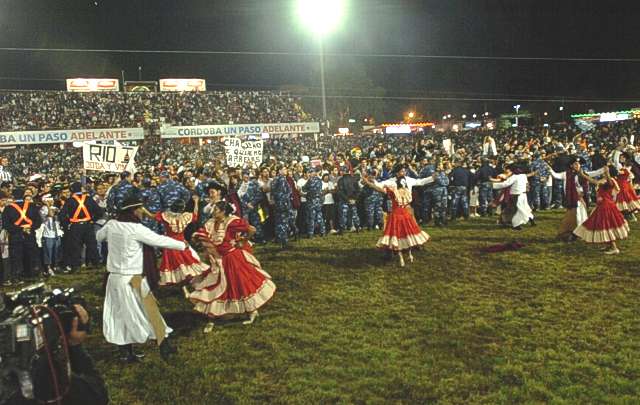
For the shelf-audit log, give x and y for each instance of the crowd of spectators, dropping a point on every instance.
(42, 110)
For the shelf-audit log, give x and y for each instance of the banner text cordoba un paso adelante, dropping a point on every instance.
(203, 131)
(70, 135)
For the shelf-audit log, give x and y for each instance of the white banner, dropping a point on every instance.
(204, 131)
(243, 153)
(183, 85)
(109, 158)
(70, 135)
(93, 85)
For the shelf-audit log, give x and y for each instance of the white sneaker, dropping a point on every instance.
(333, 232)
(612, 252)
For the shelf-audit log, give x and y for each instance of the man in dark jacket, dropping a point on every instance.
(348, 192)
(485, 189)
(459, 180)
(21, 219)
(77, 217)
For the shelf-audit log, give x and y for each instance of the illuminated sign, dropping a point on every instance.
(614, 116)
(183, 85)
(93, 85)
(398, 129)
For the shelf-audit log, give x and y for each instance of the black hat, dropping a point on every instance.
(76, 187)
(132, 201)
(18, 193)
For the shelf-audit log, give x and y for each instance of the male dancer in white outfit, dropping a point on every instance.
(519, 205)
(131, 312)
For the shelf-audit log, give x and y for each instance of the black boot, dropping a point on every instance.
(128, 355)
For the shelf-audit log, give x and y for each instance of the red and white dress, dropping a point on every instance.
(606, 223)
(626, 200)
(177, 266)
(401, 231)
(235, 284)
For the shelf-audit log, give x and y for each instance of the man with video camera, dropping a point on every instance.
(86, 386)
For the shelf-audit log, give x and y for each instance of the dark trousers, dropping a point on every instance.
(23, 254)
(78, 235)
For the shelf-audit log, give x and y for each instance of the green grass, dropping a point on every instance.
(550, 323)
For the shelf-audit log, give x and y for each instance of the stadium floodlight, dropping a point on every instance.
(320, 16)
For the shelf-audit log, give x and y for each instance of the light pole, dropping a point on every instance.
(323, 89)
(321, 17)
(517, 108)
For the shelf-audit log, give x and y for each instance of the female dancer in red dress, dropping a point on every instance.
(401, 232)
(627, 200)
(606, 224)
(236, 284)
(178, 266)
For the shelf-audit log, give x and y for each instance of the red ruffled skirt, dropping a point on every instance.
(177, 266)
(627, 199)
(605, 224)
(235, 285)
(401, 231)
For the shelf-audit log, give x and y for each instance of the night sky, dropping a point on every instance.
(505, 28)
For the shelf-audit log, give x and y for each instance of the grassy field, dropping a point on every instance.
(550, 323)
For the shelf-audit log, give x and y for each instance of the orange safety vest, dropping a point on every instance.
(81, 209)
(23, 221)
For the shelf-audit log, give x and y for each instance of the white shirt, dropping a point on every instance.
(125, 241)
(411, 182)
(328, 198)
(51, 228)
(299, 184)
(517, 183)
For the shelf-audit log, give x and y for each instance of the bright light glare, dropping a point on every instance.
(320, 16)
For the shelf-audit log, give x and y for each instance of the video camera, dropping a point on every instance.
(26, 328)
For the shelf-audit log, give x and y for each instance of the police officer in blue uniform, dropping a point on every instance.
(170, 191)
(282, 194)
(373, 203)
(313, 190)
(119, 192)
(151, 200)
(251, 205)
(440, 196)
